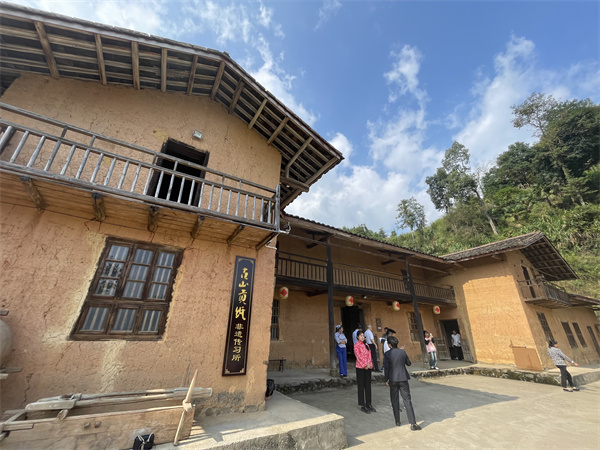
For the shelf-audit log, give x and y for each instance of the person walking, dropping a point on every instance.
(370, 340)
(383, 341)
(396, 378)
(456, 349)
(431, 350)
(340, 349)
(388, 332)
(560, 361)
(364, 365)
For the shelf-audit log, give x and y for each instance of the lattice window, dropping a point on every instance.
(275, 321)
(545, 326)
(579, 334)
(130, 294)
(412, 326)
(569, 333)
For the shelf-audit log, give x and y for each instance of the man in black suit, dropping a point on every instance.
(396, 377)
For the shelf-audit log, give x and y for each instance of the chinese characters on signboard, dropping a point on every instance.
(236, 347)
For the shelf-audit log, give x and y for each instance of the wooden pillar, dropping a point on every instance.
(411, 287)
(332, 354)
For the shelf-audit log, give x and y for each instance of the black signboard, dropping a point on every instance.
(238, 330)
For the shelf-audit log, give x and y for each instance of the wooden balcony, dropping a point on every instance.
(62, 168)
(297, 270)
(538, 292)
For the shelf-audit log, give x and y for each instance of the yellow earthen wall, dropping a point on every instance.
(49, 259)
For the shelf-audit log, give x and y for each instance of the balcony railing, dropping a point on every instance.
(314, 271)
(53, 150)
(540, 292)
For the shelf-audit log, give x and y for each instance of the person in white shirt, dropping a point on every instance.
(370, 340)
(354, 337)
(456, 349)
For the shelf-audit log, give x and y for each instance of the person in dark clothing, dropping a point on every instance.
(396, 377)
(560, 361)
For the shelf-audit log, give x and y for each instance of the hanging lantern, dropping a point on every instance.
(436, 310)
(284, 293)
(396, 306)
(349, 301)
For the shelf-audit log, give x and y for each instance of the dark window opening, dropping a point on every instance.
(179, 188)
(579, 334)
(275, 321)
(545, 326)
(569, 333)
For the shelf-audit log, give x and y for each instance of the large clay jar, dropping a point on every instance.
(5, 342)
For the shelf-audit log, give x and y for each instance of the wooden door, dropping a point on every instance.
(440, 342)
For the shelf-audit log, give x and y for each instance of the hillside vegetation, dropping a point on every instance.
(552, 186)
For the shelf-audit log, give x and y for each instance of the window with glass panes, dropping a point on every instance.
(579, 334)
(130, 293)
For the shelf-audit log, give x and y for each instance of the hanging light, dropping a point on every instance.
(284, 293)
(396, 306)
(349, 300)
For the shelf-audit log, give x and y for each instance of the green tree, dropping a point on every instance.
(411, 214)
(536, 111)
(364, 231)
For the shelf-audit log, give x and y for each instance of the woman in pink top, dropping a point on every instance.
(431, 350)
(364, 365)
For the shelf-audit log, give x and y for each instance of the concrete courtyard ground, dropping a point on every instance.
(468, 411)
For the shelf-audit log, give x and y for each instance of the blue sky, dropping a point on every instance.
(391, 84)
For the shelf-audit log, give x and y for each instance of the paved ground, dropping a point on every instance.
(468, 411)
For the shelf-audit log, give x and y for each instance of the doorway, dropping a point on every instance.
(351, 317)
(446, 327)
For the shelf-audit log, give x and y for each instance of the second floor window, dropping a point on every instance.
(130, 294)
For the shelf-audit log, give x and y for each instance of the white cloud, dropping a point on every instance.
(329, 9)
(341, 143)
(404, 73)
(488, 130)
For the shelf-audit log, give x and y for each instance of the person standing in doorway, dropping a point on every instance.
(431, 350)
(340, 349)
(396, 377)
(354, 334)
(560, 361)
(456, 346)
(364, 365)
(370, 340)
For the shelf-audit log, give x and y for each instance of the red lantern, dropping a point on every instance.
(436, 310)
(284, 293)
(349, 301)
(396, 306)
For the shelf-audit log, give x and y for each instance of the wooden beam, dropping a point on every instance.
(295, 184)
(192, 75)
(265, 241)
(278, 130)
(389, 261)
(33, 192)
(215, 87)
(235, 234)
(98, 203)
(163, 70)
(153, 219)
(314, 244)
(135, 64)
(100, 57)
(296, 155)
(236, 96)
(197, 226)
(257, 115)
(41, 31)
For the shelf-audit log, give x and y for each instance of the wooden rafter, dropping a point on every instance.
(135, 64)
(236, 96)
(192, 75)
(278, 130)
(295, 184)
(215, 87)
(197, 226)
(258, 112)
(265, 241)
(163, 69)
(100, 57)
(235, 234)
(41, 31)
(33, 192)
(98, 203)
(153, 219)
(295, 157)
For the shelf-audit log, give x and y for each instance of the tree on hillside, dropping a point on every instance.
(536, 111)
(455, 184)
(364, 231)
(411, 214)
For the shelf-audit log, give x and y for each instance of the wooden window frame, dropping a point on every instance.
(117, 301)
(412, 326)
(545, 326)
(579, 335)
(275, 320)
(570, 336)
